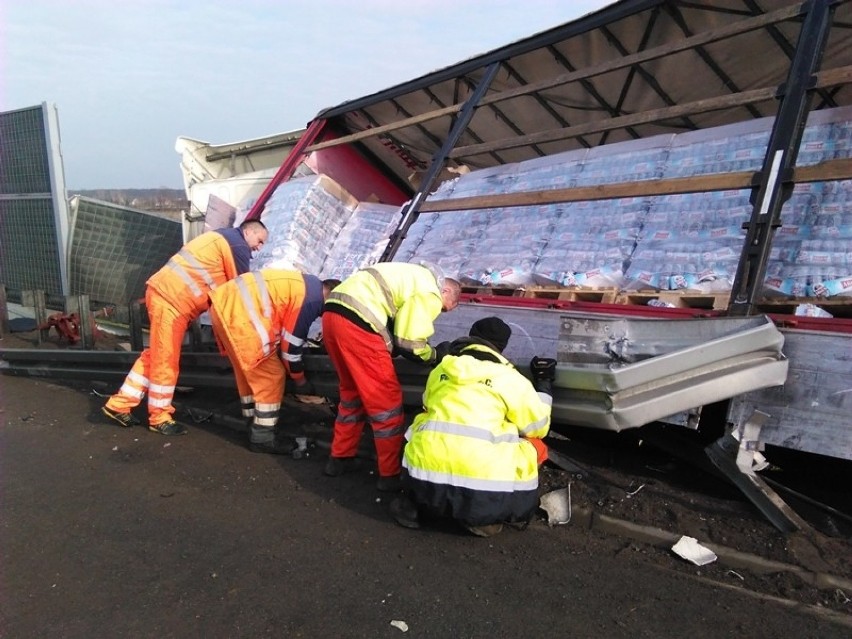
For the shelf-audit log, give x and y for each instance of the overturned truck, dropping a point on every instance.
(656, 193)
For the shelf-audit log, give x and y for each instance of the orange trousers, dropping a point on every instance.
(156, 369)
(261, 387)
(369, 390)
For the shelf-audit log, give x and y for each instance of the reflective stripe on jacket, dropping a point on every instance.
(467, 447)
(202, 265)
(266, 310)
(407, 294)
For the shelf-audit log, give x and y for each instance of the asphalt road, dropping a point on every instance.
(108, 532)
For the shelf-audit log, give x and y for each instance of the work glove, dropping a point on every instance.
(543, 370)
(304, 387)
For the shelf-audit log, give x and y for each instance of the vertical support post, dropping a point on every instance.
(735, 459)
(135, 321)
(4, 312)
(286, 170)
(411, 211)
(35, 299)
(775, 181)
(87, 323)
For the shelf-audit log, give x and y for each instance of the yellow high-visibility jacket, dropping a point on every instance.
(466, 453)
(266, 311)
(402, 294)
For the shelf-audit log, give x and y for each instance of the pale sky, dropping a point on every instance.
(130, 76)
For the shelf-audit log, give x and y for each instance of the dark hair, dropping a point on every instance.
(247, 224)
(330, 283)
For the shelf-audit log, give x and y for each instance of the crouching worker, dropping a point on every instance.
(473, 453)
(261, 321)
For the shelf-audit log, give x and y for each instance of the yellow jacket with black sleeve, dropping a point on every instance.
(466, 453)
(397, 300)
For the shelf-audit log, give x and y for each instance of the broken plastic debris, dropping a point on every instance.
(557, 505)
(688, 548)
(811, 310)
(400, 624)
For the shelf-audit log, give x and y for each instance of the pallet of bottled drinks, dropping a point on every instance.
(711, 301)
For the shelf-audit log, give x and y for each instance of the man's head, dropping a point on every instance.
(493, 330)
(255, 233)
(328, 286)
(450, 293)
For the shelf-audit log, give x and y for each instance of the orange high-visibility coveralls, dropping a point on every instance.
(359, 341)
(255, 317)
(175, 296)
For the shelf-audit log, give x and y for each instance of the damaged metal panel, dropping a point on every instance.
(811, 411)
(619, 373)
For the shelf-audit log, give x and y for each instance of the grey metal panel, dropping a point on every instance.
(626, 353)
(115, 249)
(534, 332)
(621, 372)
(33, 216)
(29, 259)
(658, 400)
(811, 411)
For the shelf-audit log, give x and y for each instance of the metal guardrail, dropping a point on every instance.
(196, 369)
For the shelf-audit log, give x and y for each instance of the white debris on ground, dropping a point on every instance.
(557, 505)
(688, 548)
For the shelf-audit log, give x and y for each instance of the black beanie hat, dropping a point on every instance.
(493, 330)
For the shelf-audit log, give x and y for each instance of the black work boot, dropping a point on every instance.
(389, 484)
(125, 420)
(282, 446)
(262, 439)
(336, 466)
(404, 512)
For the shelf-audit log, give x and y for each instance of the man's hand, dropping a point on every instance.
(441, 351)
(303, 387)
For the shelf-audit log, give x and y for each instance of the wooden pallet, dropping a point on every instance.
(837, 306)
(679, 299)
(572, 294)
(560, 293)
(505, 291)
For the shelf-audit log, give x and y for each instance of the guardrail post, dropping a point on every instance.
(87, 323)
(135, 321)
(35, 299)
(4, 312)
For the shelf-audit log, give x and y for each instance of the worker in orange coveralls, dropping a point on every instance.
(261, 321)
(386, 308)
(175, 296)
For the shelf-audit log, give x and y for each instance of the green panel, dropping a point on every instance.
(114, 250)
(24, 166)
(29, 258)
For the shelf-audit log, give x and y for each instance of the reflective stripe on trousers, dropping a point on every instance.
(158, 364)
(369, 389)
(263, 384)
